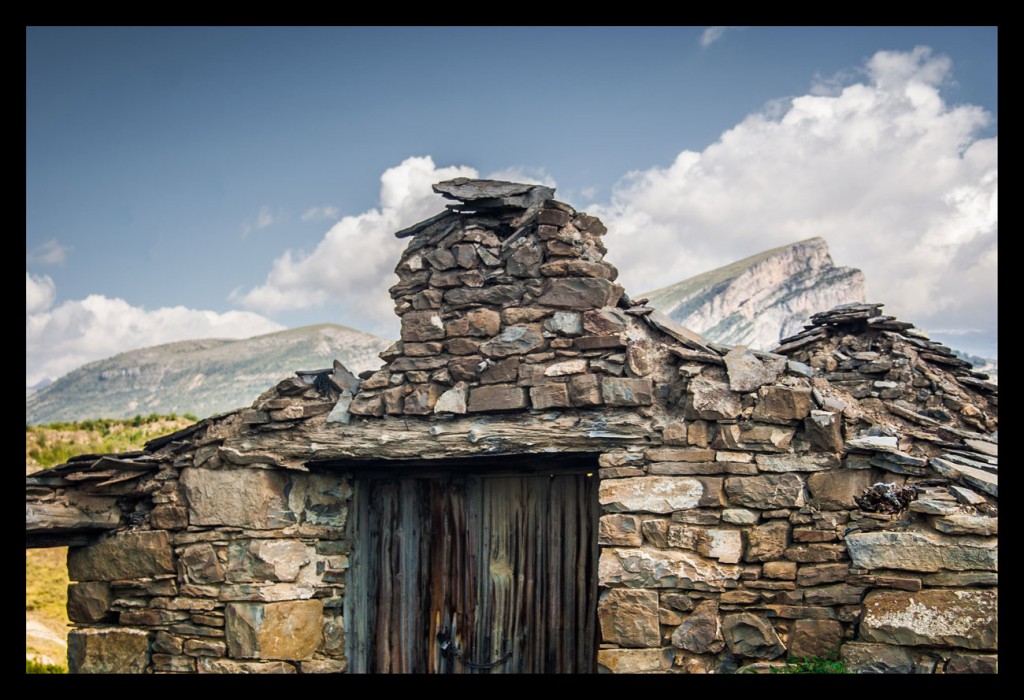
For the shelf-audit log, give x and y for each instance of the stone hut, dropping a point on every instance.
(548, 476)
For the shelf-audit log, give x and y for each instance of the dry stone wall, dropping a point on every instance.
(837, 496)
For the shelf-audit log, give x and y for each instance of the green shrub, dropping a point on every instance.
(814, 664)
(33, 666)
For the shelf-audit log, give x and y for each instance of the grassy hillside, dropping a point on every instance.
(46, 573)
(202, 377)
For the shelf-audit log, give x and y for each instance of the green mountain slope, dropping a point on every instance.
(203, 377)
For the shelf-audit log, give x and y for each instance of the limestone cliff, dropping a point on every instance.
(761, 299)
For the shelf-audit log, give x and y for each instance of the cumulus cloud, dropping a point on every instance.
(320, 213)
(40, 291)
(50, 253)
(353, 265)
(62, 338)
(711, 35)
(895, 179)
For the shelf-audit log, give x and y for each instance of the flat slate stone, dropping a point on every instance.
(493, 194)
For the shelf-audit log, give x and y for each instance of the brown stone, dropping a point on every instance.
(475, 322)
(258, 497)
(629, 617)
(523, 314)
(496, 397)
(752, 636)
(813, 462)
(972, 663)
(107, 651)
(422, 325)
(701, 631)
(422, 349)
(627, 392)
(651, 494)
(876, 658)
(584, 390)
(599, 342)
(824, 431)
(88, 601)
(921, 551)
(363, 405)
(780, 404)
(514, 340)
(464, 369)
(673, 568)
(394, 399)
(824, 573)
(639, 357)
(634, 660)
(816, 553)
(941, 617)
(697, 433)
(503, 372)
(122, 555)
(525, 261)
(209, 664)
(834, 490)
(578, 268)
(815, 638)
(780, 570)
(422, 399)
(621, 530)
(764, 492)
(837, 594)
(753, 436)
(200, 563)
(712, 400)
(289, 630)
(498, 295)
(580, 293)
(767, 541)
(460, 346)
(549, 396)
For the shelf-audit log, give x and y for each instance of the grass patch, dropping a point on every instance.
(33, 666)
(814, 664)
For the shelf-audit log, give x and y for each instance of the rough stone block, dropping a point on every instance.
(514, 340)
(269, 560)
(768, 541)
(122, 556)
(108, 651)
(876, 658)
(496, 397)
(747, 372)
(549, 396)
(711, 400)
(289, 630)
(88, 601)
(634, 660)
(200, 563)
(580, 293)
(650, 568)
(619, 530)
(947, 618)
(701, 631)
(650, 494)
(627, 392)
(584, 390)
(629, 617)
(750, 635)
(834, 490)
(209, 664)
(418, 326)
(257, 497)
(781, 404)
(766, 492)
(921, 551)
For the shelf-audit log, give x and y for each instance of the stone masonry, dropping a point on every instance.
(836, 496)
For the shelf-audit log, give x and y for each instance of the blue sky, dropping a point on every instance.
(186, 182)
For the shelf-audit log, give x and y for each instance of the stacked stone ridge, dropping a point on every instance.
(837, 494)
(507, 303)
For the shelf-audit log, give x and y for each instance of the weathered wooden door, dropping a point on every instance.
(473, 573)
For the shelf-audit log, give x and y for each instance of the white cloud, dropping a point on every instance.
(264, 219)
(62, 338)
(711, 35)
(50, 253)
(40, 291)
(353, 264)
(896, 180)
(519, 173)
(320, 213)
